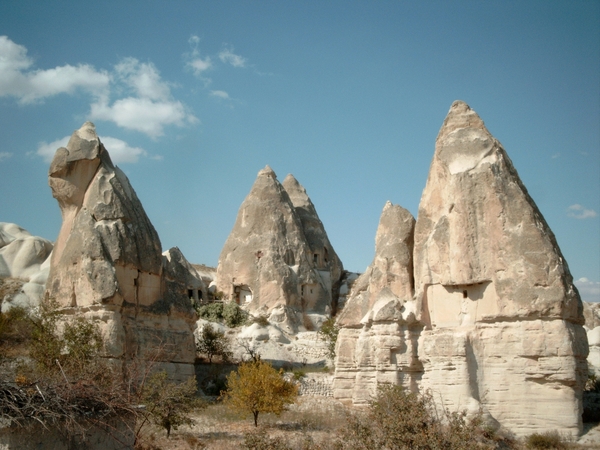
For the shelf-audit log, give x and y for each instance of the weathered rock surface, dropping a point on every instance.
(107, 262)
(378, 341)
(270, 267)
(501, 320)
(591, 313)
(26, 258)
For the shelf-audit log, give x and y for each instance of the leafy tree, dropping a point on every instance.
(229, 313)
(329, 332)
(213, 342)
(257, 387)
(169, 404)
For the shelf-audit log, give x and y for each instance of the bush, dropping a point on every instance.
(213, 342)
(263, 321)
(397, 419)
(229, 313)
(549, 439)
(257, 387)
(329, 332)
(168, 405)
(261, 441)
(233, 315)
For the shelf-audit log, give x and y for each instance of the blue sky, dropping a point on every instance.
(193, 98)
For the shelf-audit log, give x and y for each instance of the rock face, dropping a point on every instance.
(271, 264)
(378, 339)
(26, 258)
(501, 320)
(591, 312)
(107, 261)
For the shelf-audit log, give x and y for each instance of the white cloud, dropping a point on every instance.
(18, 79)
(228, 57)
(589, 290)
(47, 149)
(556, 155)
(5, 155)
(220, 94)
(120, 152)
(152, 107)
(198, 65)
(579, 212)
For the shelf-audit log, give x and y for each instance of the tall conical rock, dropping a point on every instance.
(377, 342)
(503, 319)
(498, 320)
(267, 264)
(107, 262)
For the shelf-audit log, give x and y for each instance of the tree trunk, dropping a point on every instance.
(255, 418)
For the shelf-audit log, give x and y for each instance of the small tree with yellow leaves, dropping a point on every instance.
(257, 387)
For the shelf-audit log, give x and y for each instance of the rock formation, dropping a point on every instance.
(501, 320)
(269, 266)
(25, 258)
(591, 312)
(378, 339)
(107, 261)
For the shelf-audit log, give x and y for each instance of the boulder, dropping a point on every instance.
(591, 312)
(107, 262)
(268, 263)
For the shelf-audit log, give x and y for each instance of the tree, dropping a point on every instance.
(169, 404)
(329, 332)
(257, 387)
(213, 342)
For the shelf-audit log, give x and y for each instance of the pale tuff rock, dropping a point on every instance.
(501, 322)
(26, 258)
(107, 260)
(591, 312)
(378, 341)
(268, 263)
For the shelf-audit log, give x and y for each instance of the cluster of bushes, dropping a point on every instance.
(63, 380)
(228, 313)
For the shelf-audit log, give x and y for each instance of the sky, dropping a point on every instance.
(193, 98)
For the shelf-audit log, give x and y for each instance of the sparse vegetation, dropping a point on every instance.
(548, 440)
(258, 388)
(228, 313)
(168, 404)
(329, 332)
(213, 342)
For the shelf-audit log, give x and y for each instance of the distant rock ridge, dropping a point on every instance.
(107, 262)
(495, 324)
(277, 260)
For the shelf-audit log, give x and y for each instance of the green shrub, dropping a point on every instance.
(329, 332)
(592, 384)
(213, 342)
(228, 313)
(233, 315)
(212, 312)
(549, 440)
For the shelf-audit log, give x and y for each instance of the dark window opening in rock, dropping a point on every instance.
(190, 293)
(288, 258)
(302, 291)
(464, 294)
(316, 258)
(259, 254)
(199, 294)
(325, 254)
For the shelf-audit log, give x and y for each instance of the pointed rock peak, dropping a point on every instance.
(87, 132)
(464, 143)
(460, 116)
(267, 172)
(292, 186)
